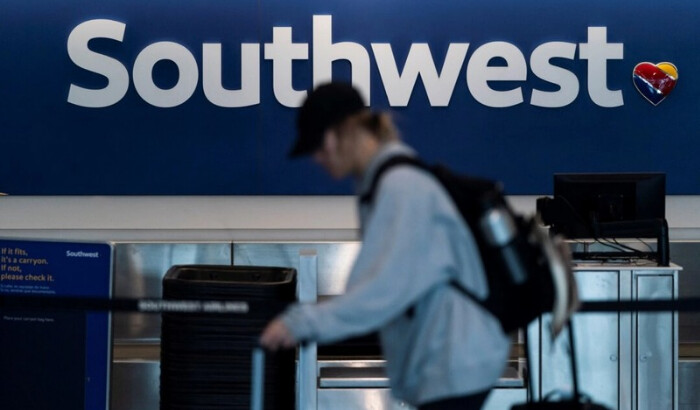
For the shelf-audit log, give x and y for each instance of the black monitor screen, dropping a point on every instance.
(611, 197)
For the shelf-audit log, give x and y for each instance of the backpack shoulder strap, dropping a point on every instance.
(368, 196)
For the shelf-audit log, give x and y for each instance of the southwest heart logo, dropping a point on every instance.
(655, 81)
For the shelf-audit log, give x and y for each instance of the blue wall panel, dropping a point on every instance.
(50, 146)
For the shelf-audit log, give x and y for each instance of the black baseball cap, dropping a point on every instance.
(326, 106)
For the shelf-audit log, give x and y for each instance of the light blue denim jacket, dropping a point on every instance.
(414, 242)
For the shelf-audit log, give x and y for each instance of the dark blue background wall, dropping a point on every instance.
(49, 146)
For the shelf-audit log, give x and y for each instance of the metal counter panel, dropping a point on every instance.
(354, 399)
(687, 255)
(139, 268)
(688, 381)
(334, 260)
(655, 341)
(597, 345)
(501, 399)
(135, 385)
(380, 399)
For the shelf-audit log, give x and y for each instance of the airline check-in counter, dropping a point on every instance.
(626, 360)
(635, 355)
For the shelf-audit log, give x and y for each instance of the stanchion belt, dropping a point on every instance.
(658, 305)
(157, 306)
(126, 304)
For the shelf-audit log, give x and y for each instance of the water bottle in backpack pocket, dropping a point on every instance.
(528, 271)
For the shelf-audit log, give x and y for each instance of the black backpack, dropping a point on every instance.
(528, 272)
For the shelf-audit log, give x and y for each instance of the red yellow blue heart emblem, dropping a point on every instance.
(655, 81)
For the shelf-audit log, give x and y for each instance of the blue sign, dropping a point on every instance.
(130, 97)
(54, 358)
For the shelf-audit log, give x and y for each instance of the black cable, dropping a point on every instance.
(634, 249)
(608, 244)
(625, 246)
(647, 245)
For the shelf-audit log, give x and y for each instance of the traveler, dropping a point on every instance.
(443, 350)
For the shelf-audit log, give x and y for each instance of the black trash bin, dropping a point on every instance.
(206, 358)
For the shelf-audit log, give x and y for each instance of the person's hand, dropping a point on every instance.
(276, 335)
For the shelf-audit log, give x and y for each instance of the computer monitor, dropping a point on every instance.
(606, 206)
(599, 198)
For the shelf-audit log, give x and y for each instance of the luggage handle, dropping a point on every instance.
(572, 355)
(257, 389)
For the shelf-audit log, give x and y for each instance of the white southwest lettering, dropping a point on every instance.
(479, 74)
(248, 94)
(398, 84)
(282, 51)
(597, 51)
(325, 52)
(565, 79)
(187, 80)
(116, 73)
(439, 87)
